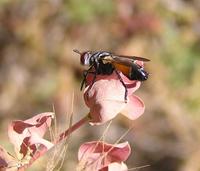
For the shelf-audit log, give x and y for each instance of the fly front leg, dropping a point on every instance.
(85, 74)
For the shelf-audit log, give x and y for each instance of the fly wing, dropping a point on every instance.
(118, 60)
(131, 57)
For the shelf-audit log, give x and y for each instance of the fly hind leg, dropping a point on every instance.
(126, 91)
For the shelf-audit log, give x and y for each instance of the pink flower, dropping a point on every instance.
(115, 166)
(27, 136)
(105, 98)
(101, 156)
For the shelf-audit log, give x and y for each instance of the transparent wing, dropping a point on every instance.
(131, 57)
(118, 60)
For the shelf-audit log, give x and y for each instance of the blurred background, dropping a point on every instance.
(39, 72)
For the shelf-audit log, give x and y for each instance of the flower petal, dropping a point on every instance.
(100, 154)
(40, 122)
(115, 167)
(120, 152)
(134, 108)
(132, 85)
(23, 133)
(106, 97)
(141, 63)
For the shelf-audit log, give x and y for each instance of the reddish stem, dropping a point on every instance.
(62, 136)
(71, 129)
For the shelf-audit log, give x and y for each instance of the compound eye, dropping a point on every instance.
(85, 58)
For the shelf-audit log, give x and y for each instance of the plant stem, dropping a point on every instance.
(71, 129)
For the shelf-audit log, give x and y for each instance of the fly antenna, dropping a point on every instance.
(77, 51)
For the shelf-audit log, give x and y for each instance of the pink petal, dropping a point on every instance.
(134, 108)
(132, 85)
(141, 63)
(86, 149)
(105, 97)
(104, 111)
(36, 140)
(120, 152)
(22, 133)
(40, 122)
(100, 154)
(115, 167)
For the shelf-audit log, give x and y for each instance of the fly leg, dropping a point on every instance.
(85, 73)
(126, 91)
(96, 66)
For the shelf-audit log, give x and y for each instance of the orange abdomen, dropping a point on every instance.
(124, 69)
